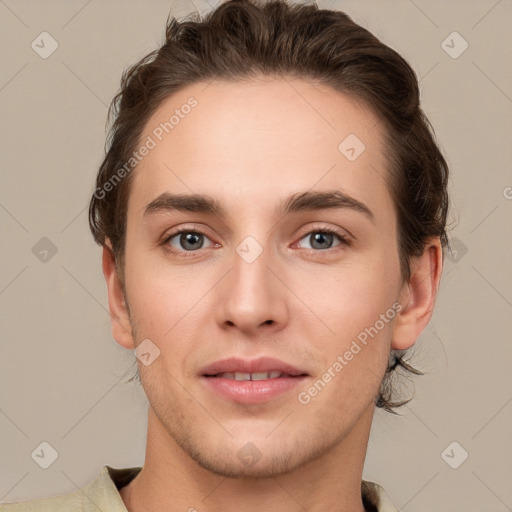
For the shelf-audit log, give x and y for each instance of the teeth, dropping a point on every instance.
(260, 376)
(251, 376)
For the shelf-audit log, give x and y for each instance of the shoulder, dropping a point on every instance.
(69, 502)
(102, 493)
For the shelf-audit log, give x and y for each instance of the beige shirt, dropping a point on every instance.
(103, 494)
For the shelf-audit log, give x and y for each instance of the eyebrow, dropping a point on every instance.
(300, 202)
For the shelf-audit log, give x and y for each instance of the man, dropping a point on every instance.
(272, 214)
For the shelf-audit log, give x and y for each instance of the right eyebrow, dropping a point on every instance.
(199, 203)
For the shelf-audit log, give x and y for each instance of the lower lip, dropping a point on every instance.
(252, 391)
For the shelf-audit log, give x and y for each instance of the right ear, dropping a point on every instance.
(119, 317)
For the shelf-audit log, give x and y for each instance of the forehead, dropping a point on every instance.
(254, 143)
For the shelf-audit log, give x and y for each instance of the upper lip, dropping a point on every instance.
(259, 365)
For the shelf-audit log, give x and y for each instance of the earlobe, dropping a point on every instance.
(119, 317)
(418, 296)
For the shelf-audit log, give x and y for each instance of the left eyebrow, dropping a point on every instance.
(300, 202)
(319, 200)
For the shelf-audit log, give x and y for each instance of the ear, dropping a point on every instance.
(418, 296)
(119, 317)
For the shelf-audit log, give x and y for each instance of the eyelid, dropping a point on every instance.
(324, 228)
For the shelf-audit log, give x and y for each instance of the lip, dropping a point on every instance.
(251, 391)
(261, 364)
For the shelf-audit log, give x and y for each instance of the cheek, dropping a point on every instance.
(164, 304)
(159, 294)
(350, 377)
(355, 302)
(352, 296)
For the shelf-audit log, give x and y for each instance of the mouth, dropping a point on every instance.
(243, 376)
(251, 369)
(251, 381)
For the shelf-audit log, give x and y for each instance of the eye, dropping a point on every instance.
(186, 240)
(189, 241)
(322, 239)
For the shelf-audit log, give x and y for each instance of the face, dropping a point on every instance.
(264, 278)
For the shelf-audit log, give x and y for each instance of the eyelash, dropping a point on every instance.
(344, 241)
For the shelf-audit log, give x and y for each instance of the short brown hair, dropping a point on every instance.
(243, 39)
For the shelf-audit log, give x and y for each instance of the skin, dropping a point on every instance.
(250, 146)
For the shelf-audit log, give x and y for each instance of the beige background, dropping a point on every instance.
(63, 377)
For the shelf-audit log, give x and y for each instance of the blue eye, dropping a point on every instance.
(186, 240)
(322, 239)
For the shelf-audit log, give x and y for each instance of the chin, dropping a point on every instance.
(260, 459)
(248, 467)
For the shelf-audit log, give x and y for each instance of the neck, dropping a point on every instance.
(170, 480)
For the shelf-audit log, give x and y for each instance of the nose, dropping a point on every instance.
(252, 298)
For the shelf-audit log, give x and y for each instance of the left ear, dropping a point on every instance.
(418, 296)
